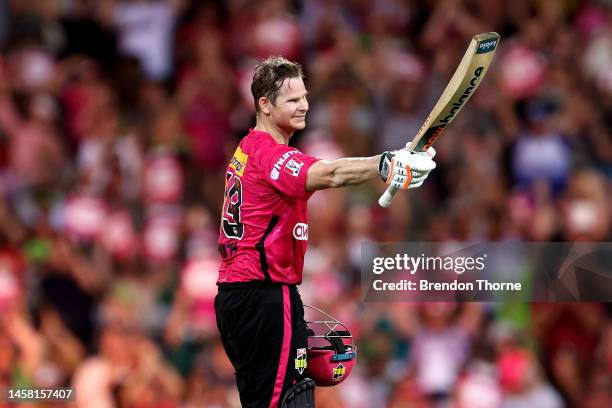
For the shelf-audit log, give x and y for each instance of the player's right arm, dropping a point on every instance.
(403, 168)
(342, 172)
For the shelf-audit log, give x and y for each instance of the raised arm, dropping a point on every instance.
(342, 172)
(403, 168)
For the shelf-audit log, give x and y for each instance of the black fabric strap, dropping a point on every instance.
(263, 261)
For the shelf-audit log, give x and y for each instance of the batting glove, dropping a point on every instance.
(406, 169)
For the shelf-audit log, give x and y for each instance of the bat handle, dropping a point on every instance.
(385, 199)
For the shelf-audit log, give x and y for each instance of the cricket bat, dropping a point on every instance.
(470, 72)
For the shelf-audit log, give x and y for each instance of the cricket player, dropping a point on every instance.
(264, 232)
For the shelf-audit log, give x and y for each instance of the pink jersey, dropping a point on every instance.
(264, 225)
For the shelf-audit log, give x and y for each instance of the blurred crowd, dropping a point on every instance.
(117, 119)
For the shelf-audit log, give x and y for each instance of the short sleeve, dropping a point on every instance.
(285, 168)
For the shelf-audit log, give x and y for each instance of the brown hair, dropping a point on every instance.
(270, 75)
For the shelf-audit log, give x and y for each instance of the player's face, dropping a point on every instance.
(289, 110)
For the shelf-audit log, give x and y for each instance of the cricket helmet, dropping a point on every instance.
(331, 353)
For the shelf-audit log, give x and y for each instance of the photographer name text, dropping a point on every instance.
(425, 285)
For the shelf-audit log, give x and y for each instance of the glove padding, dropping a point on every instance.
(406, 169)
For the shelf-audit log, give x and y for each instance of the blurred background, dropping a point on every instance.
(117, 119)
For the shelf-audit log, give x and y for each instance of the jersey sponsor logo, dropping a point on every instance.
(239, 161)
(300, 231)
(275, 172)
(338, 372)
(300, 361)
(293, 166)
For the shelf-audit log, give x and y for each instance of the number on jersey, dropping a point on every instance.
(232, 227)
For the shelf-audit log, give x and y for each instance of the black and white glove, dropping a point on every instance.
(406, 169)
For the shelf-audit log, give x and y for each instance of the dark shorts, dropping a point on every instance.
(264, 335)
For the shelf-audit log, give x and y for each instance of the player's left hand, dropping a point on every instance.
(406, 169)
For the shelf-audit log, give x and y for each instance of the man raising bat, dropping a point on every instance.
(264, 232)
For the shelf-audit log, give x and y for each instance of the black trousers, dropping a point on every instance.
(264, 335)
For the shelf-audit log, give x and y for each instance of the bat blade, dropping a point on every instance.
(462, 85)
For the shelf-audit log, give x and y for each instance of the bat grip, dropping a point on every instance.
(385, 199)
